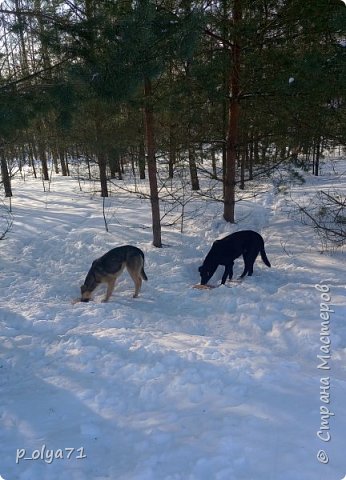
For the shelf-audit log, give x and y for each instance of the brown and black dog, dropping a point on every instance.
(109, 267)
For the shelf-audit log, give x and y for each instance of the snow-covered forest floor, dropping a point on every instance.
(178, 384)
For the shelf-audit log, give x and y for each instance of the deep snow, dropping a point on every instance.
(178, 384)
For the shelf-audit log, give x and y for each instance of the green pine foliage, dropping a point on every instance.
(82, 70)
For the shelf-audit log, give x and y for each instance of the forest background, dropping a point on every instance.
(211, 94)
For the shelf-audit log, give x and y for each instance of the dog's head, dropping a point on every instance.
(206, 273)
(85, 294)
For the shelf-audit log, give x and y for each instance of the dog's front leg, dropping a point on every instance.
(228, 273)
(110, 288)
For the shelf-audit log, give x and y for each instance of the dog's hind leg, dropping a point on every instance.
(138, 286)
(137, 280)
(249, 261)
(230, 271)
(135, 269)
(245, 271)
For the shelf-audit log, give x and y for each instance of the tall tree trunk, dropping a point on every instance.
(6, 179)
(120, 167)
(193, 168)
(172, 155)
(102, 163)
(264, 151)
(141, 160)
(172, 151)
(63, 162)
(43, 159)
(250, 166)
(225, 89)
(317, 156)
(22, 46)
(242, 168)
(31, 156)
(43, 45)
(150, 140)
(234, 115)
(213, 162)
(114, 164)
(88, 166)
(41, 150)
(55, 158)
(132, 160)
(191, 148)
(100, 152)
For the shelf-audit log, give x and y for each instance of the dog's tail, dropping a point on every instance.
(264, 257)
(143, 275)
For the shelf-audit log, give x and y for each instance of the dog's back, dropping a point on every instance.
(119, 257)
(234, 245)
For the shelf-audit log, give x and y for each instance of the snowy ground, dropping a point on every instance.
(179, 384)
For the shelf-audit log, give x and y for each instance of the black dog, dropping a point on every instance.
(225, 251)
